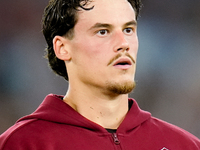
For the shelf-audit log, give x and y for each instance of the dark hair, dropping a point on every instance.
(60, 17)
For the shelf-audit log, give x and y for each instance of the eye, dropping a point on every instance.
(102, 32)
(128, 31)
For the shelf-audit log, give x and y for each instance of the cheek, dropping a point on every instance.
(88, 53)
(93, 48)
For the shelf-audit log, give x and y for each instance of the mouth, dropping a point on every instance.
(123, 63)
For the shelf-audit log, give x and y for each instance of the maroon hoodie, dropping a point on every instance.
(56, 126)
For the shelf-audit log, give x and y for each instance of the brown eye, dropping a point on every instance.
(128, 31)
(102, 32)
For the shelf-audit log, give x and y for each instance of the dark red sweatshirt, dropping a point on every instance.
(56, 126)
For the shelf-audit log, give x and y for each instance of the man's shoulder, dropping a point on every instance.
(166, 126)
(27, 133)
(14, 133)
(172, 132)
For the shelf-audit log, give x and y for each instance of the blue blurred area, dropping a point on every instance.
(168, 65)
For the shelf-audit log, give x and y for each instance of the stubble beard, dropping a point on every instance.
(121, 88)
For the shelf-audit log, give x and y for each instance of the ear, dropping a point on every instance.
(61, 48)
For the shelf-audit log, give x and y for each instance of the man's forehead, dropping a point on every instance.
(106, 7)
(104, 12)
(88, 4)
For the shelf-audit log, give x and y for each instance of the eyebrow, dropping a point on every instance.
(100, 25)
(106, 25)
(133, 22)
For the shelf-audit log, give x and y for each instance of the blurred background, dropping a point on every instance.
(168, 65)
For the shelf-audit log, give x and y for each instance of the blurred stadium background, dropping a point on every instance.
(168, 65)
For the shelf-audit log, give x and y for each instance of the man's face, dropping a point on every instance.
(104, 47)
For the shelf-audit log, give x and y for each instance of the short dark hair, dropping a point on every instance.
(60, 17)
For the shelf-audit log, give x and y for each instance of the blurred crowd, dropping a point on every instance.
(168, 64)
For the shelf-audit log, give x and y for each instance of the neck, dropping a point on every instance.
(105, 110)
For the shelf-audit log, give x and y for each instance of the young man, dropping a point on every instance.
(93, 44)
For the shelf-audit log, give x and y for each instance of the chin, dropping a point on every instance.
(121, 88)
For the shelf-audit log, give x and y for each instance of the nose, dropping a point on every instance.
(121, 43)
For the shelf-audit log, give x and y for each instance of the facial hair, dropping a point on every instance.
(124, 87)
(121, 88)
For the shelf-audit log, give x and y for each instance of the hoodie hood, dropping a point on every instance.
(53, 109)
(56, 126)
